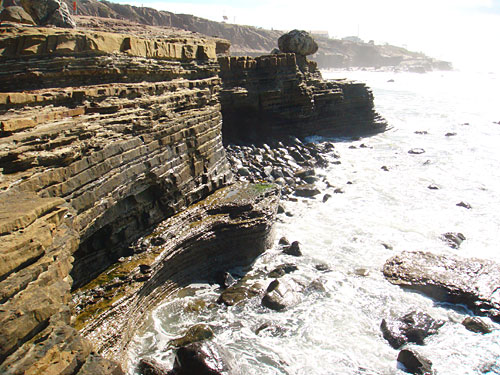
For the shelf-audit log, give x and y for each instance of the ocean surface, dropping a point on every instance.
(337, 331)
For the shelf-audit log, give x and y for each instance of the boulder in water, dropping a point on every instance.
(199, 359)
(477, 325)
(414, 362)
(196, 333)
(150, 366)
(454, 240)
(412, 327)
(282, 294)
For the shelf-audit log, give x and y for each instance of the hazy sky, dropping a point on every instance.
(466, 32)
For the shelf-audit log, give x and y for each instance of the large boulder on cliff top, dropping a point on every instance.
(49, 12)
(469, 281)
(297, 41)
(16, 15)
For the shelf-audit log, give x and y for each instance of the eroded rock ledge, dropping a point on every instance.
(469, 281)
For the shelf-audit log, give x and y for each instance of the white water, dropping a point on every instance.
(337, 331)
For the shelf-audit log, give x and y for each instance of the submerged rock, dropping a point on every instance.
(454, 240)
(282, 270)
(416, 151)
(414, 362)
(412, 327)
(476, 324)
(464, 205)
(469, 281)
(235, 294)
(196, 333)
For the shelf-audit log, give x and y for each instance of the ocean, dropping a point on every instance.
(386, 207)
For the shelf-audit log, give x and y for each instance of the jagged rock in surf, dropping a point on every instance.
(414, 362)
(475, 324)
(282, 294)
(199, 359)
(412, 327)
(454, 240)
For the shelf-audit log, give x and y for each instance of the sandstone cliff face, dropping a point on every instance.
(275, 96)
(110, 134)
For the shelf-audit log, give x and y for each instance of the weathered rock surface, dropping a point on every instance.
(299, 42)
(149, 366)
(49, 12)
(412, 327)
(469, 281)
(275, 96)
(16, 14)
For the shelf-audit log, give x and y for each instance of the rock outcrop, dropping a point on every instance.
(299, 42)
(16, 14)
(275, 96)
(472, 282)
(49, 12)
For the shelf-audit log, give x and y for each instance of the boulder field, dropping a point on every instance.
(115, 189)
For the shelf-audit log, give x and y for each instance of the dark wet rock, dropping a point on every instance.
(322, 267)
(271, 329)
(326, 197)
(454, 240)
(157, 241)
(145, 268)
(311, 179)
(446, 278)
(303, 173)
(225, 280)
(284, 241)
(236, 294)
(293, 249)
(150, 366)
(288, 213)
(282, 270)
(413, 327)
(281, 209)
(416, 151)
(352, 147)
(476, 324)
(385, 168)
(199, 359)
(349, 182)
(387, 246)
(339, 191)
(195, 306)
(422, 132)
(196, 333)
(306, 191)
(390, 81)
(15, 14)
(450, 134)
(282, 294)
(464, 205)
(243, 171)
(414, 362)
(433, 187)
(362, 145)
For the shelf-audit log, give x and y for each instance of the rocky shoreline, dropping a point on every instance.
(119, 154)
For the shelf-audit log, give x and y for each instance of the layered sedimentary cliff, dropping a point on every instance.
(103, 136)
(275, 96)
